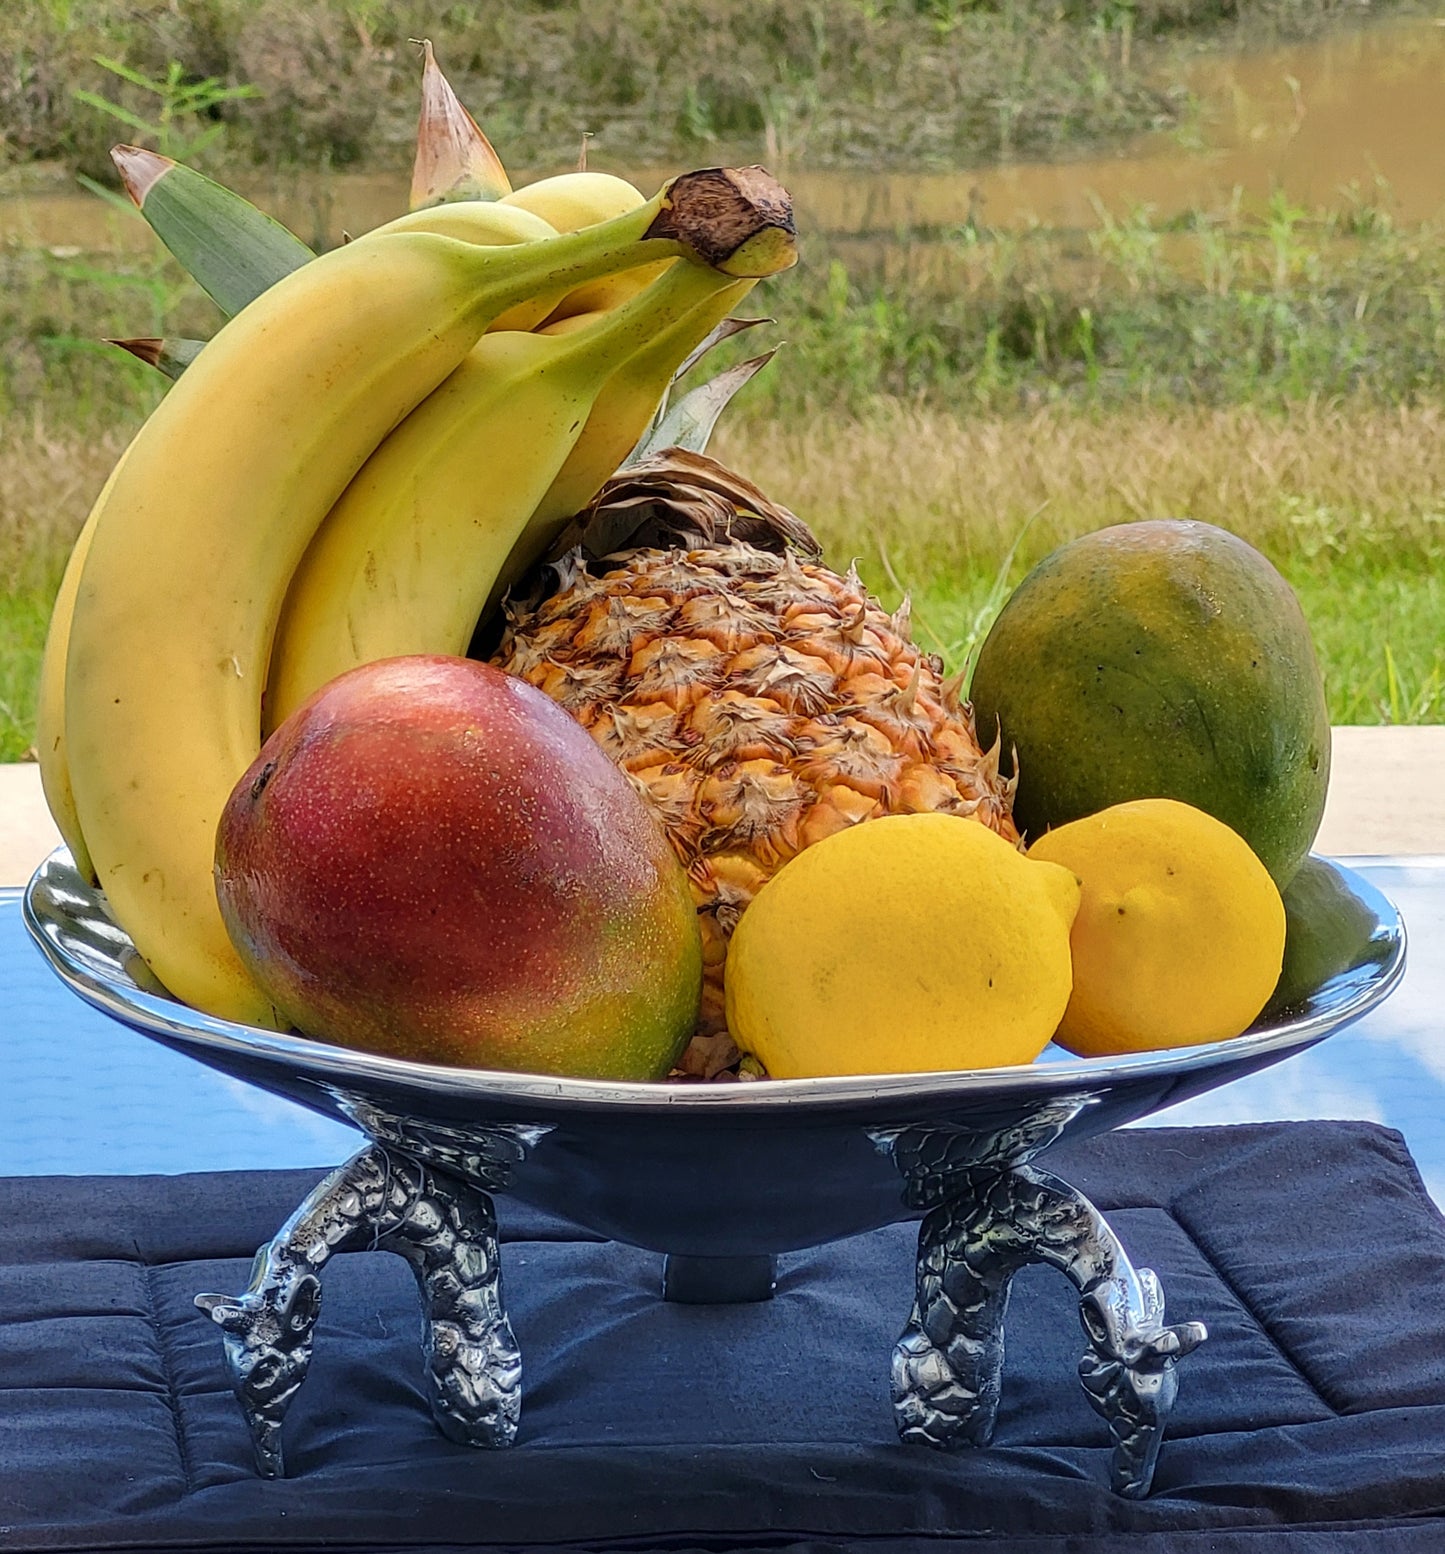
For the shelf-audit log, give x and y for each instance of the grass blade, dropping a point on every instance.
(1392, 682)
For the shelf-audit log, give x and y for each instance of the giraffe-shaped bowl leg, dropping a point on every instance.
(446, 1229)
(948, 1363)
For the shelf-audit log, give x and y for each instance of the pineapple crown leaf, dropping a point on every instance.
(231, 249)
(171, 356)
(653, 440)
(140, 169)
(690, 422)
(720, 332)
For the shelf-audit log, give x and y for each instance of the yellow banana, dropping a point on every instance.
(489, 222)
(407, 557)
(571, 202)
(50, 742)
(620, 415)
(50, 712)
(220, 492)
(477, 222)
(572, 323)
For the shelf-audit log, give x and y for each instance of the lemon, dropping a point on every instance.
(1179, 935)
(904, 944)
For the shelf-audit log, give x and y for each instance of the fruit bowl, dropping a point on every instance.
(805, 1161)
(633, 1161)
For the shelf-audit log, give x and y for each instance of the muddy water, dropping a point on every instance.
(1358, 116)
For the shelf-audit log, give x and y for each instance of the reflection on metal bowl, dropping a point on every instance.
(804, 1161)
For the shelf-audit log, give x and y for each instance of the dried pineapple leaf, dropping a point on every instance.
(678, 497)
(454, 160)
(689, 423)
(708, 1058)
(675, 498)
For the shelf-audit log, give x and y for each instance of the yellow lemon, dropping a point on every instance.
(1180, 933)
(904, 944)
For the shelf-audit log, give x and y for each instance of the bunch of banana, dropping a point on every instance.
(236, 252)
(407, 559)
(343, 473)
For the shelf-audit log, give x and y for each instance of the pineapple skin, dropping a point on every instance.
(759, 703)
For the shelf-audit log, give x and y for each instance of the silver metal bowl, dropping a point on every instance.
(703, 1170)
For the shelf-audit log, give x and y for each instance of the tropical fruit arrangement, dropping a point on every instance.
(418, 682)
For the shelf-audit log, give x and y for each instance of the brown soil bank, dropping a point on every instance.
(854, 82)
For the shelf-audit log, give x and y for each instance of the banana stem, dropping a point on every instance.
(635, 325)
(737, 219)
(736, 222)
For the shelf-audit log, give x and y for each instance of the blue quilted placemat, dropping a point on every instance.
(1313, 1420)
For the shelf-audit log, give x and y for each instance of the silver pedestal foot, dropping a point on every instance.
(447, 1231)
(948, 1363)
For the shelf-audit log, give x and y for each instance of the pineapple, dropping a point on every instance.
(758, 700)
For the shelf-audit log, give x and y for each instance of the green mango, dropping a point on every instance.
(1328, 930)
(1161, 659)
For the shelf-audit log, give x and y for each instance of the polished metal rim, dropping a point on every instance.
(62, 913)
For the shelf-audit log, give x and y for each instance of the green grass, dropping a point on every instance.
(1279, 372)
(23, 617)
(1233, 307)
(332, 83)
(1391, 668)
